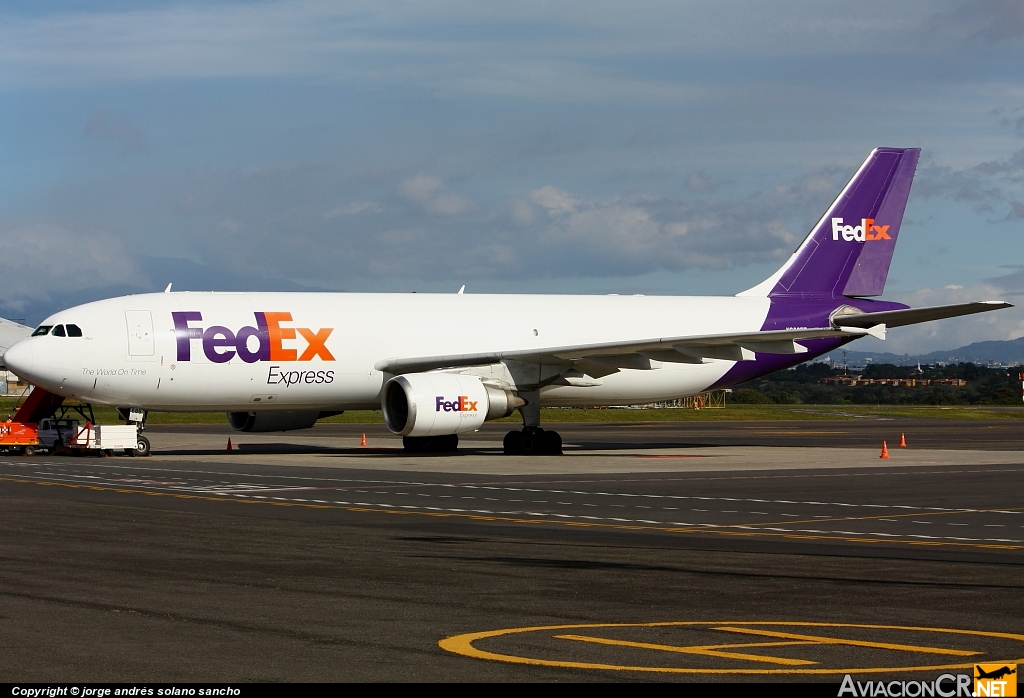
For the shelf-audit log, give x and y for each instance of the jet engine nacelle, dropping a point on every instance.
(277, 420)
(433, 404)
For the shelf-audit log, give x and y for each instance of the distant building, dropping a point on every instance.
(11, 385)
(905, 382)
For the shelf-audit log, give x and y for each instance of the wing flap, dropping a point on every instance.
(629, 354)
(605, 358)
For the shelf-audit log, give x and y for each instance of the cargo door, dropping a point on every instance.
(141, 341)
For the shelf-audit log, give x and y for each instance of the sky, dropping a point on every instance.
(517, 147)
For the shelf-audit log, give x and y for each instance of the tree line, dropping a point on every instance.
(804, 385)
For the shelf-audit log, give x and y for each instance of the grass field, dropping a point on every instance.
(105, 415)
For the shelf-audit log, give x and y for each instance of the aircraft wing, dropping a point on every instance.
(912, 316)
(11, 333)
(602, 359)
(639, 353)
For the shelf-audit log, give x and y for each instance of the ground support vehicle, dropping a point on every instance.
(42, 422)
(55, 433)
(20, 432)
(18, 436)
(107, 439)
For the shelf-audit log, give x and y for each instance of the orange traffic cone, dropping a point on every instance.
(229, 444)
(885, 451)
(903, 440)
(362, 441)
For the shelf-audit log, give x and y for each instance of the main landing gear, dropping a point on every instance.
(532, 440)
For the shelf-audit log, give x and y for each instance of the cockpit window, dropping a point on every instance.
(74, 331)
(58, 331)
(41, 330)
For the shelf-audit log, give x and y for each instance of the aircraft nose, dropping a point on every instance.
(19, 359)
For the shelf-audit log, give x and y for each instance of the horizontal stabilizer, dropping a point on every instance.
(848, 317)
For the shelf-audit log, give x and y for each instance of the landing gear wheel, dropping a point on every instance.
(513, 443)
(446, 443)
(552, 442)
(533, 441)
(142, 448)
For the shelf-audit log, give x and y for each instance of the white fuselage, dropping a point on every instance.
(131, 355)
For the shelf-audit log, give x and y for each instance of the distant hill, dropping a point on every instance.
(1006, 352)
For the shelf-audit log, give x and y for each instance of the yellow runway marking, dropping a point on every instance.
(788, 432)
(539, 522)
(818, 639)
(464, 645)
(706, 650)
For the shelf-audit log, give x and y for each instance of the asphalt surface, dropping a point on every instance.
(861, 431)
(177, 568)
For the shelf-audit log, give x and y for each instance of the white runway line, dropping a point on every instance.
(58, 473)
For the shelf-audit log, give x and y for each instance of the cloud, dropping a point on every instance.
(433, 195)
(550, 141)
(991, 21)
(992, 187)
(354, 209)
(1011, 284)
(52, 260)
(700, 182)
(114, 129)
(285, 223)
(554, 200)
(599, 54)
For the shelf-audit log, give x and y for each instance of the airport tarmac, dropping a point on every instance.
(694, 551)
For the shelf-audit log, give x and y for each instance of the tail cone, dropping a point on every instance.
(903, 440)
(885, 451)
(362, 441)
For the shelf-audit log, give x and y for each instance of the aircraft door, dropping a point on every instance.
(141, 341)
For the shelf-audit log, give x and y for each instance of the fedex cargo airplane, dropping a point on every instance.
(439, 365)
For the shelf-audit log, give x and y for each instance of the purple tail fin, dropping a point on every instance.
(848, 252)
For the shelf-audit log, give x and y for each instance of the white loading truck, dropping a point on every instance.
(54, 433)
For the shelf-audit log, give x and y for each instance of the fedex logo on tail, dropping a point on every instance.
(462, 404)
(264, 342)
(867, 230)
